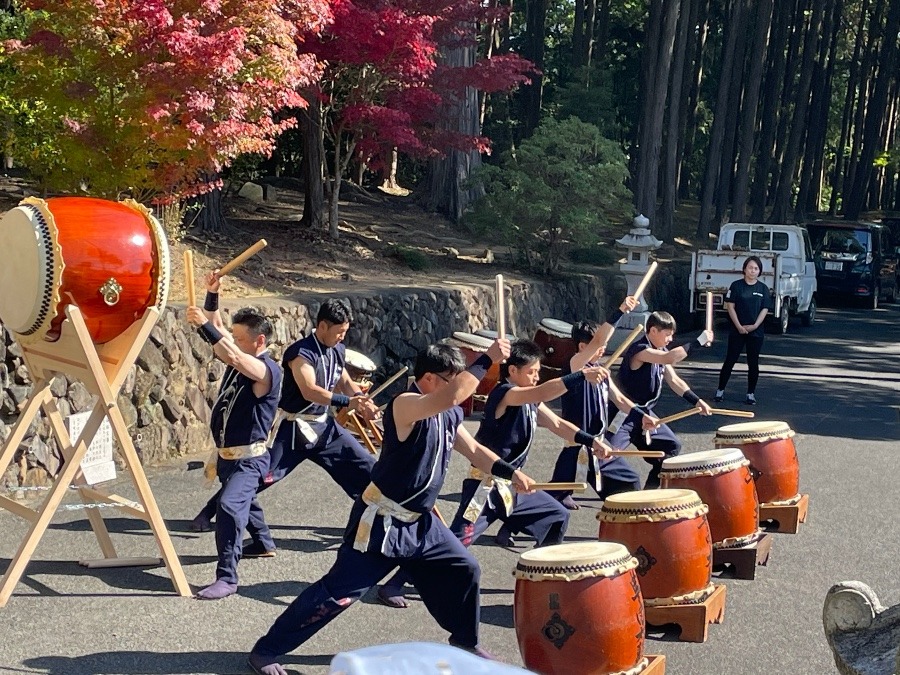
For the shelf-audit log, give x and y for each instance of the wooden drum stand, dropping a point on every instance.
(102, 369)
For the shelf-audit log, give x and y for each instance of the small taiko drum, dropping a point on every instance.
(360, 368)
(492, 334)
(723, 480)
(667, 531)
(770, 448)
(578, 610)
(110, 259)
(473, 346)
(555, 338)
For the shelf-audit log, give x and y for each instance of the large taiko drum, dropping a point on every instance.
(667, 531)
(108, 258)
(578, 610)
(723, 480)
(770, 448)
(555, 338)
(472, 346)
(360, 368)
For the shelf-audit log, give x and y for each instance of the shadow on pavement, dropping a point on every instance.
(155, 663)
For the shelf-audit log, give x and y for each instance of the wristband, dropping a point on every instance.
(690, 397)
(614, 316)
(211, 304)
(573, 380)
(584, 438)
(688, 346)
(503, 469)
(340, 400)
(210, 333)
(481, 366)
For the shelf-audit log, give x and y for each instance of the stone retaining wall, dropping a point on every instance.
(166, 398)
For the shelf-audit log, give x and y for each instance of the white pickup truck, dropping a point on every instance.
(788, 269)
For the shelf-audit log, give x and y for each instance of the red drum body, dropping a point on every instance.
(722, 479)
(769, 447)
(555, 338)
(578, 610)
(473, 346)
(667, 531)
(110, 259)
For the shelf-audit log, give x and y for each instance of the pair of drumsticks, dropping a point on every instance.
(227, 268)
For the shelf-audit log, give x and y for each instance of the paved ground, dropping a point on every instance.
(837, 385)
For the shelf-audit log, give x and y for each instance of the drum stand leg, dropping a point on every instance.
(787, 518)
(102, 369)
(744, 559)
(657, 665)
(694, 619)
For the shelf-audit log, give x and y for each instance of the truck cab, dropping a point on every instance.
(788, 269)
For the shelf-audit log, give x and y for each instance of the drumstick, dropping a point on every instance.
(645, 280)
(622, 347)
(679, 415)
(709, 311)
(574, 487)
(501, 308)
(650, 454)
(388, 382)
(189, 277)
(242, 258)
(732, 413)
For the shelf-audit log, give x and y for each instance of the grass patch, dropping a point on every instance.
(600, 256)
(412, 258)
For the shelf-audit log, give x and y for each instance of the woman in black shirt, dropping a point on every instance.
(748, 301)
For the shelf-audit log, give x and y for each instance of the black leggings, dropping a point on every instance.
(736, 344)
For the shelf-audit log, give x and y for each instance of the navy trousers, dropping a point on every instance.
(663, 439)
(444, 571)
(335, 450)
(616, 474)
(236, 507)
(538, 515)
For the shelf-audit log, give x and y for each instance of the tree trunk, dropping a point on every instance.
(601, 28)
(654, 111)
(689, 111)
(811, 171)
(887, 70)
(312, 165)
(532, 94)
(334, 197)
(849, 99)
(726, 172)
(750, 109)
(772, 84)
(578, 30)
(664, 225)
(717, 135)
(587, 47)
(798, 124)
(445, 187)
(208, 207)
(389, 177)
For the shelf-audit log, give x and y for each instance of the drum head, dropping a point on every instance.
(748, 432)
(475, 342)
(574, 561)
(492, 334)
(30, 269)
(557, 327)
(704, 459)
(359, 361)
(653, 500)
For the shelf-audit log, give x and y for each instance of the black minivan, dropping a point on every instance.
(854, 260)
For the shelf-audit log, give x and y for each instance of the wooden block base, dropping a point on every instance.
(693, 619)
(745, 559)
(657, 665)
(785, 518)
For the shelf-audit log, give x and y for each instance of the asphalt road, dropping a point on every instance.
(837, 384)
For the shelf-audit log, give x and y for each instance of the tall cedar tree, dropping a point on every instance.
(384, 85)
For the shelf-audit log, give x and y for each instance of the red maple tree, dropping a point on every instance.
(385, 86)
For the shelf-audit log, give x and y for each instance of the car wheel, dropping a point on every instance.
(809, 316)
(891, 297)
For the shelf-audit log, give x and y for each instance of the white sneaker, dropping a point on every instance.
(751, 399)
(720, 394)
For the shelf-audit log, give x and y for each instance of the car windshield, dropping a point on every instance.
(841, 240)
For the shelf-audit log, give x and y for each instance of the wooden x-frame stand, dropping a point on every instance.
(102, 369)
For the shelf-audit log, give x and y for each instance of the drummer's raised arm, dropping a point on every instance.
(211, 303)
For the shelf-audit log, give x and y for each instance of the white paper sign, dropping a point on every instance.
(98, 465)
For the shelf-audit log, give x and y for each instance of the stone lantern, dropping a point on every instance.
(637, 244)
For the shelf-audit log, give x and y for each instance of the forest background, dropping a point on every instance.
(541, 124)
